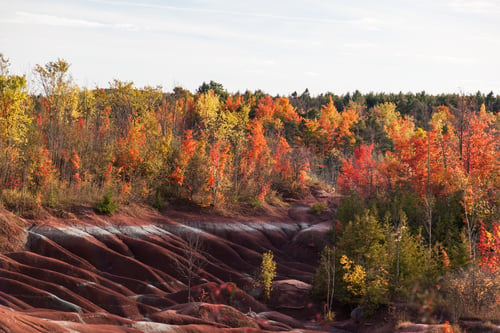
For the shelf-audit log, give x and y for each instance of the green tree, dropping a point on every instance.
(410, 262)
(365, 264)
(216, 87)
(324, 278)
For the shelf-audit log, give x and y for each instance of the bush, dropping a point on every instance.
(107, 205)
(319, 208)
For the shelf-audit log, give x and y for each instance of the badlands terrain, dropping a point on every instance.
(85, 272)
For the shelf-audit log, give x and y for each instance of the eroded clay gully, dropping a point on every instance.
(90, 273)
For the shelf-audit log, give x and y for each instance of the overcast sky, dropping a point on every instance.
(278, 46)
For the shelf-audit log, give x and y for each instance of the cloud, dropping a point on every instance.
(60, 21)
(450, 59)
(367, 23)
(475, 6)
(440, 58)
(176, 25)
(360, 45)
(311, 73)
(204, 10)
(327, 15)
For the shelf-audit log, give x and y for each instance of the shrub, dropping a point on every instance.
(256, 203)
(107, 205)
(472, 292)
(329, 315)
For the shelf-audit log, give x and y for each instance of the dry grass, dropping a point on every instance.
(22, 202)
(12, 231)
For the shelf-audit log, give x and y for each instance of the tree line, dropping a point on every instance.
(422, 166)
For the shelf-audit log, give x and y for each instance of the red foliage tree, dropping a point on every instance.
(359, 173)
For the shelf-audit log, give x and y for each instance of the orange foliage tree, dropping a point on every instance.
(256, 162)
(188, 147)
(218, 181)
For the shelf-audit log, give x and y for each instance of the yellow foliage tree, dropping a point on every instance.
(14, 123)
(267, 272)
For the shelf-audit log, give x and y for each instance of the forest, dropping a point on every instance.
(417, 175)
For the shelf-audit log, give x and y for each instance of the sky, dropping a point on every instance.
(277, 46)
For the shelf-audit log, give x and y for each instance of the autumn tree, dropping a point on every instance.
(218, 181)
(129, 103)
(330, 136)
(236, 118)
(256, 163)
(489, 246)
(207, 107)
(333, 130)
(14, 125)
(59, 110)
(359, 173)
(129, 151)
(42, 174)
(282, 167)
(482, 173)
(188, 147)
